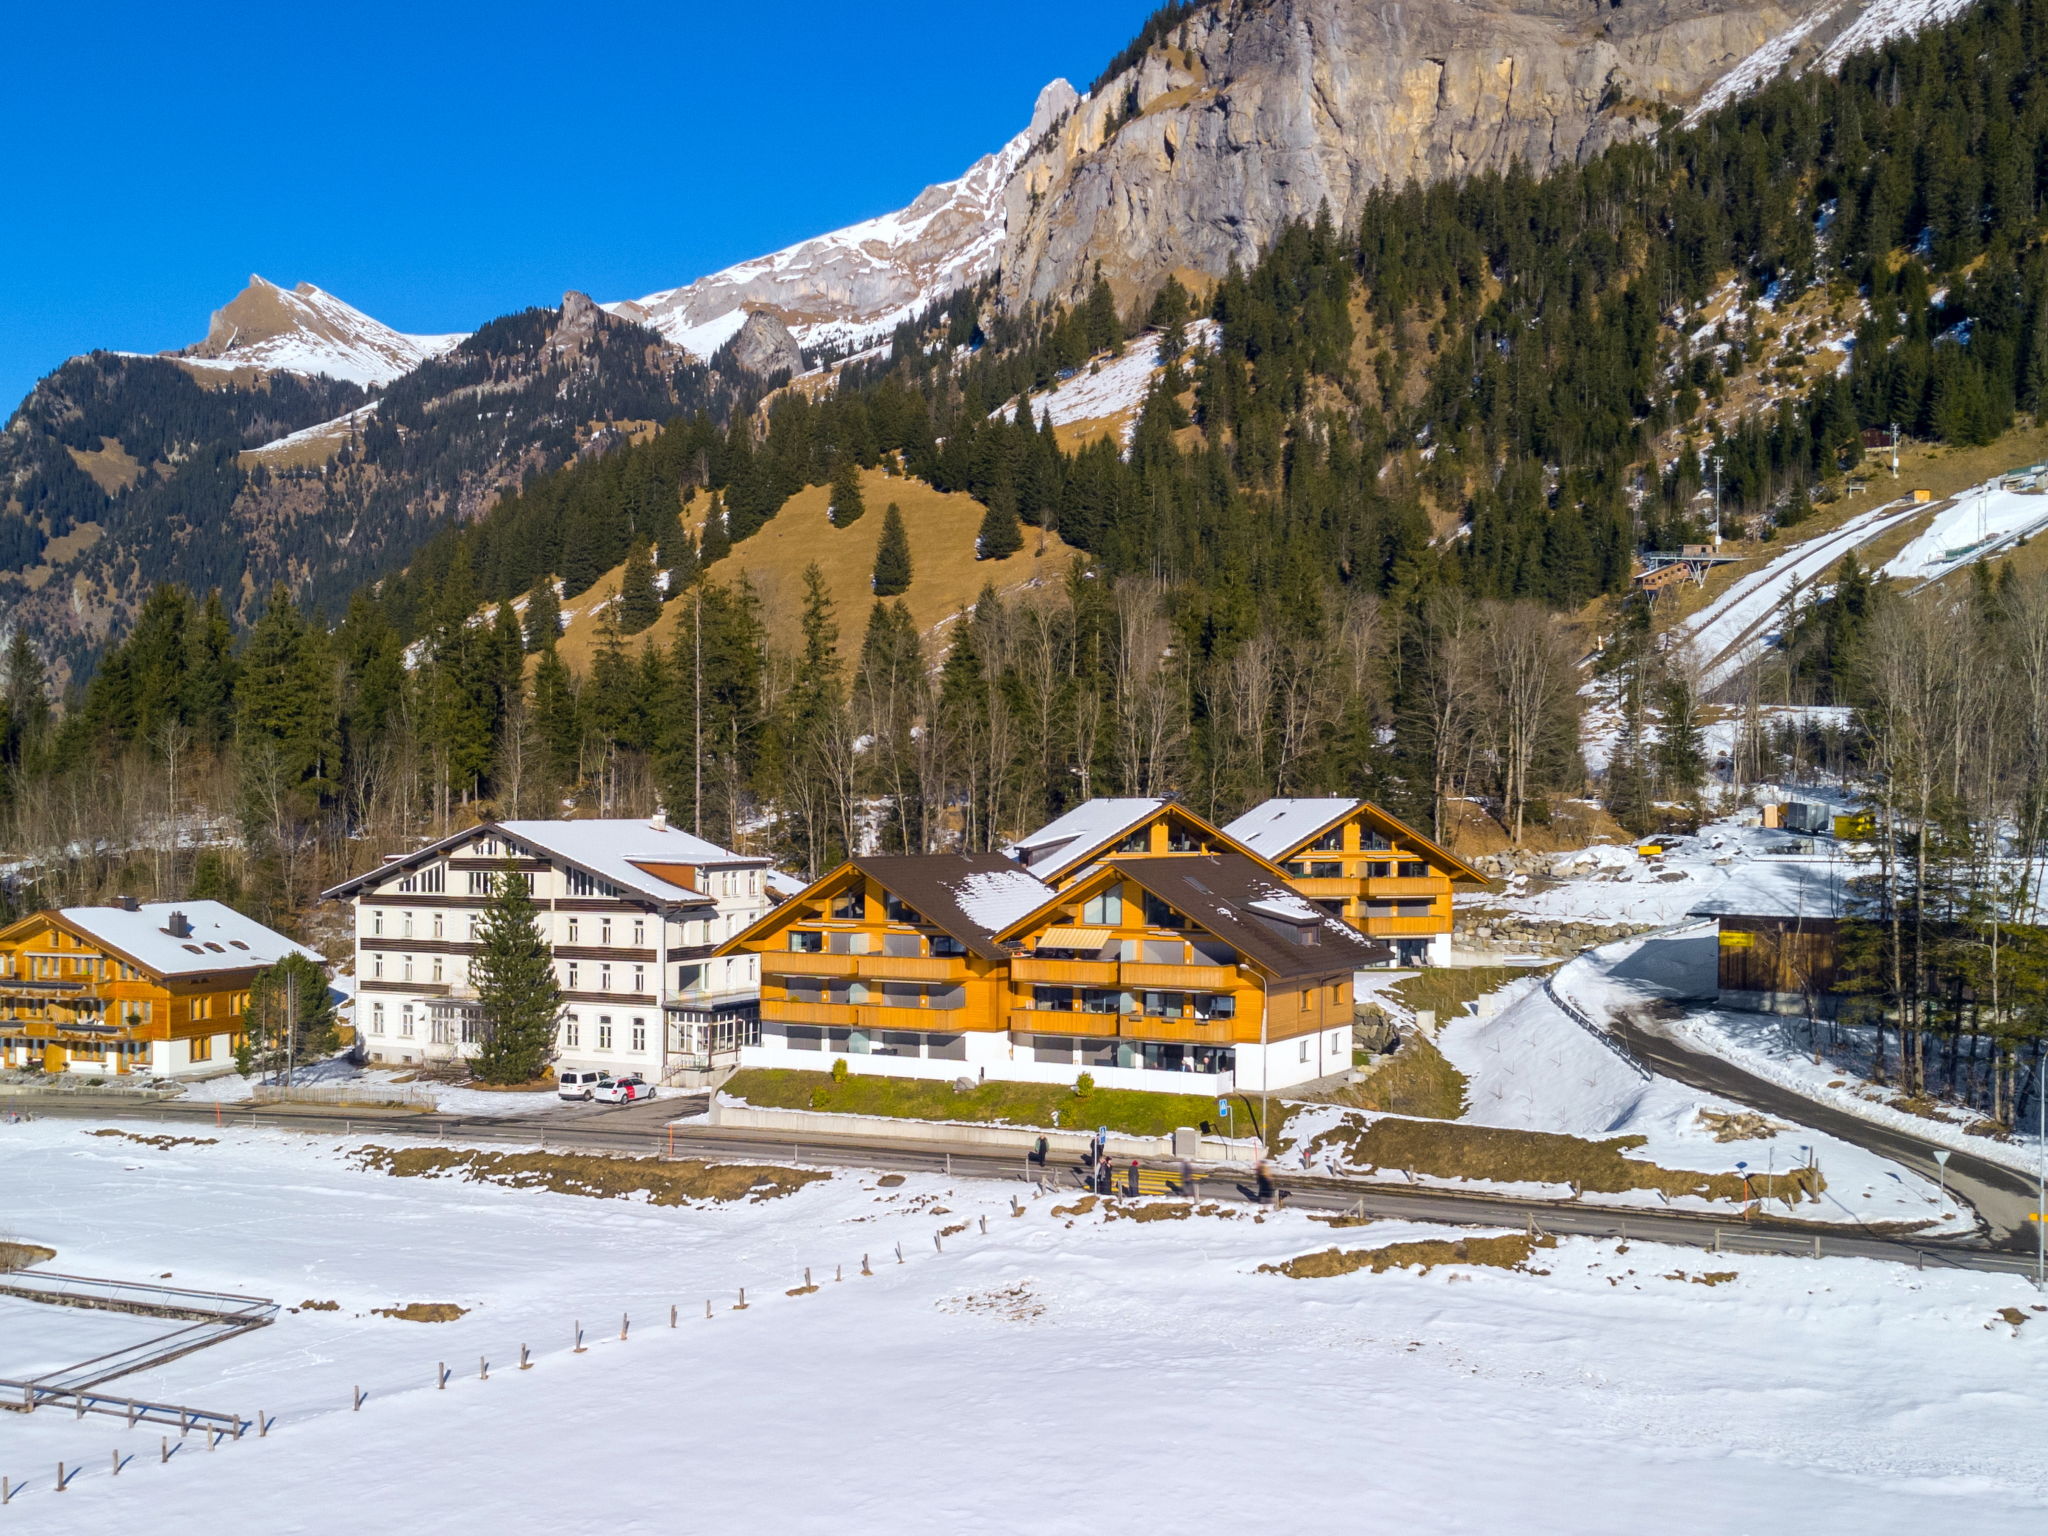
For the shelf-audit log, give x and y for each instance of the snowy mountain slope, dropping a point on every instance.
(308, 330)
(857, 284)
(1827, 39)
(1113, 391)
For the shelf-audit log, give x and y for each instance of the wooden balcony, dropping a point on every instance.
(1069, 973)
(1181, 978)
(906, 967)
(780, 962)
(1180, 1031)
(1325, 888)
(1048, 1021)
(1403, 927)
(1427, 885)
(780, 1011)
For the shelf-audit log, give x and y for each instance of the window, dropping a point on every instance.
(428, 881)
(437, 925)
(479, 882)
(1331, 841)
(689, 978)
(639, 1034)
(437, 968)
(472, 1028)
(604, 978)
(850, 906)
(639, 978)
(376, 1018)
(405, 930)
(487, 847)
(1104, 911)
(1304, 1047)
(376, 967)
(584, 884)
(407, 963)
(202, 1048)
(1100, 1000)
(472, 927)
(572, 1033)
(639, 933)
(1414, 869)
(377, 923)
(802, 943)
(575, 930)
(604, 1032)
(1139, 841)
(1053, 999)
(898, 910)
(944, 944)
(571, 983)
(604, 932)
(405, 1022)
(1159, 915)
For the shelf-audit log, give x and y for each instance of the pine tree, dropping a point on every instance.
(639, 603)
(1169, 316)
(679, 558)
(717, 542)
(290, 1016)
(1681, 743)
(847, 504)
(513, 973)
(556, 717)
(543, 616)
(1001, 534)
(892, 556)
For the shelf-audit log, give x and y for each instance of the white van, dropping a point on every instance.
(581, 1085)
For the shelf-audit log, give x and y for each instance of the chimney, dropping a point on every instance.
(127, 903)
(178, 926)
(658, 821)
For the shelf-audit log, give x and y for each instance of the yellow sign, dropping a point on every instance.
(1650, 850)
(1737, 940)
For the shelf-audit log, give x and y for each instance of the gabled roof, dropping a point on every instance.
(221, 939)
(1089, 830)
(632, 854)
(1238, 900)
(1281, 828)
(968, 896)
(1093, 825)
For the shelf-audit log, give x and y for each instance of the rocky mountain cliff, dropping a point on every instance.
(307, 331)
(1253, 113)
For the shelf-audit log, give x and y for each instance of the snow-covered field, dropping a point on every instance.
(1114, 388)
(1061, 1373)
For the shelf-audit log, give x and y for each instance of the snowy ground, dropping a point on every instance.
(1095, 394)
(1974, 525)
(1529, 1067)
(449, 1098)
(1725, 863)
(1639, 971)
(1058, 1374)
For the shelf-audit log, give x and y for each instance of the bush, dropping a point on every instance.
(839, 1071)
(1084, 1085)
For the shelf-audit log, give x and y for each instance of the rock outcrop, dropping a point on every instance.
(1258, 112)
(764, 347)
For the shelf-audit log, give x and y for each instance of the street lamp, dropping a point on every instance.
(1717, 503)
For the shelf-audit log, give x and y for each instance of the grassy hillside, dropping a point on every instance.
(947, 576)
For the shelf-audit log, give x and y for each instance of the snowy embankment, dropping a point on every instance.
(1529, 1067)
(1106, 391)
(1977, 524)
(1629, 975)
(447, 1098)
(1594, 1390)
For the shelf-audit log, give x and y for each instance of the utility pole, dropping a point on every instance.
(1717, 503)
(1895, 450)
(291, 1027)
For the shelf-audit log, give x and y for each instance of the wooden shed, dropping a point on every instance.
(1770, 963)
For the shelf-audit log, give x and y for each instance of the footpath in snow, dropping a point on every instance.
(1070, 1369)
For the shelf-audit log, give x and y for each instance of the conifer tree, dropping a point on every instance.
(679, 558)
(1681, 743)
(1001, 534)
(847, 504)
(892, 556)
(639, 603)
(290, 1016)
(555, 716)
(1169, 316)
(717, 543)
(543, 616)
(513, 973)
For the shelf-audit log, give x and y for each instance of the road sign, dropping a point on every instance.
(1223, 1108)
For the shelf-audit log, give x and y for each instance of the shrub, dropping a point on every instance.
(839, 1071)
(1084, 1085)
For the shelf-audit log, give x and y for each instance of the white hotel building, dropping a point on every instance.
(632, 910)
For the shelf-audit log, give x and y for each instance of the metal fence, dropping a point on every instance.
(347, 1095)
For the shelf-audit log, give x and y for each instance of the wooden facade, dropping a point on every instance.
(1369, 867)
(1061, 851)
(70, 1001)
(1778, 964)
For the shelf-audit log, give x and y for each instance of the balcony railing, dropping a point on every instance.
(1126, 1026)
(870, 1016)
(1072, 973)
(778, 962)
(910, 967)
(1129, 973)
(1198, 978)
(1425, 885)
(1403, 927)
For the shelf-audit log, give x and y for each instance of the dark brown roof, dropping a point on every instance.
(1240, 902)
(971, 896)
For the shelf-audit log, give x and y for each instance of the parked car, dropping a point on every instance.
(623, 1090)
(581, 1085)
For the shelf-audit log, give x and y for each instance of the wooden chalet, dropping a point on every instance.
(1366, 866)
(156, 988)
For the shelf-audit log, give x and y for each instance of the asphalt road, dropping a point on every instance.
(645, 1129)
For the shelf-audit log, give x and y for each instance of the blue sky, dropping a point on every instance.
(438, 164)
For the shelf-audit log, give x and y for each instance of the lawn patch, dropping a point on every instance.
(423, 1312)
(1416, 1080)
(1448, 1150)
(162, 1143)
(22, 1255)
(1028, 1105)
(603, 1178)
(1509, 1251)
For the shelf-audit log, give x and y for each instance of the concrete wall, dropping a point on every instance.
(989, 1056)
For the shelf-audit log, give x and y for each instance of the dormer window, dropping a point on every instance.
(850, 906)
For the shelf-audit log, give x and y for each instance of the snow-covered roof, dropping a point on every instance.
(614, 850)
(1080, 832)
(1278, 827)
(221, 938)
(994, 899)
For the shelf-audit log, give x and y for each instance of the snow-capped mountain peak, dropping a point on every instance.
(308, 330)
(855, 285)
